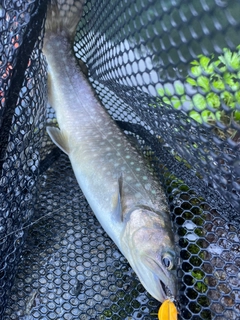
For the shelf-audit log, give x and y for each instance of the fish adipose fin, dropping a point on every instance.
(59, 138)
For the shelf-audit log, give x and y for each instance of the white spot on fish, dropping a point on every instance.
(148, 186)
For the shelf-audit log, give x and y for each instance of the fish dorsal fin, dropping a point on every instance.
(59, 138)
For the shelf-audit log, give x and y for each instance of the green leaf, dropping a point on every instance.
(168, 92)
(196, 71)
(237, 96)
(231, 80)
(218, 115)
(176, 103)
(203, 82)
(166, 100)
(216, 64)
(213, 100)
(230, 59)
(208, 116)
(179, 88)
(194, 63)
(199, 101)
(205, 64)
(198, 274)
(196, 116)
(191, 81)
(237, 115)
(228, 99)
(161, 92)
(217, 83)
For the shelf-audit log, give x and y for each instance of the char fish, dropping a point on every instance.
(124, 194)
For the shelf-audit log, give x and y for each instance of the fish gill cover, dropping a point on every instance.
(168, 73)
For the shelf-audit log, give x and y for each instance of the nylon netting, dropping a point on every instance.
(168, 73)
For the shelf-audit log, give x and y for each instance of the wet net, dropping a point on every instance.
(168, 72)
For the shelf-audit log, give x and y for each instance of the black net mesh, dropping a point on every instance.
(168, 73)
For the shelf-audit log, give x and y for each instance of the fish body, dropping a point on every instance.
(124, 195)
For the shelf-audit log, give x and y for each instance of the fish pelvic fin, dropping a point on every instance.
(59, 138)
(63, 16)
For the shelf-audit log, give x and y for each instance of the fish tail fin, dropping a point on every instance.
(63, 16)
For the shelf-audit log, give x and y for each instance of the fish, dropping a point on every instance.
(124, 194)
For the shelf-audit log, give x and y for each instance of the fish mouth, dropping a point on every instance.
(165, 284)
(166, 290)
(163, 287)
(155, 279)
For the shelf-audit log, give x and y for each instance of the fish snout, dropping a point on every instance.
(164, 281)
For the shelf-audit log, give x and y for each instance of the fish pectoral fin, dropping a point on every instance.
(59, 138)
(120, 196)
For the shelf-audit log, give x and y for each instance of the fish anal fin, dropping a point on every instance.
(59, 138)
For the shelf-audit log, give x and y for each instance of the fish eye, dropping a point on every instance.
(167, 261)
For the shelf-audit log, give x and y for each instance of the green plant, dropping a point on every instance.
(214, 82)
(198, 276)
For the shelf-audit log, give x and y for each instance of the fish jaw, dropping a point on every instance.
(161, 283)
(146, 243)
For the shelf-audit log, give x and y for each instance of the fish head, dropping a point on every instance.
(149, 248)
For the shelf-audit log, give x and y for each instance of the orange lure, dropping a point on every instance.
(167, 311)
